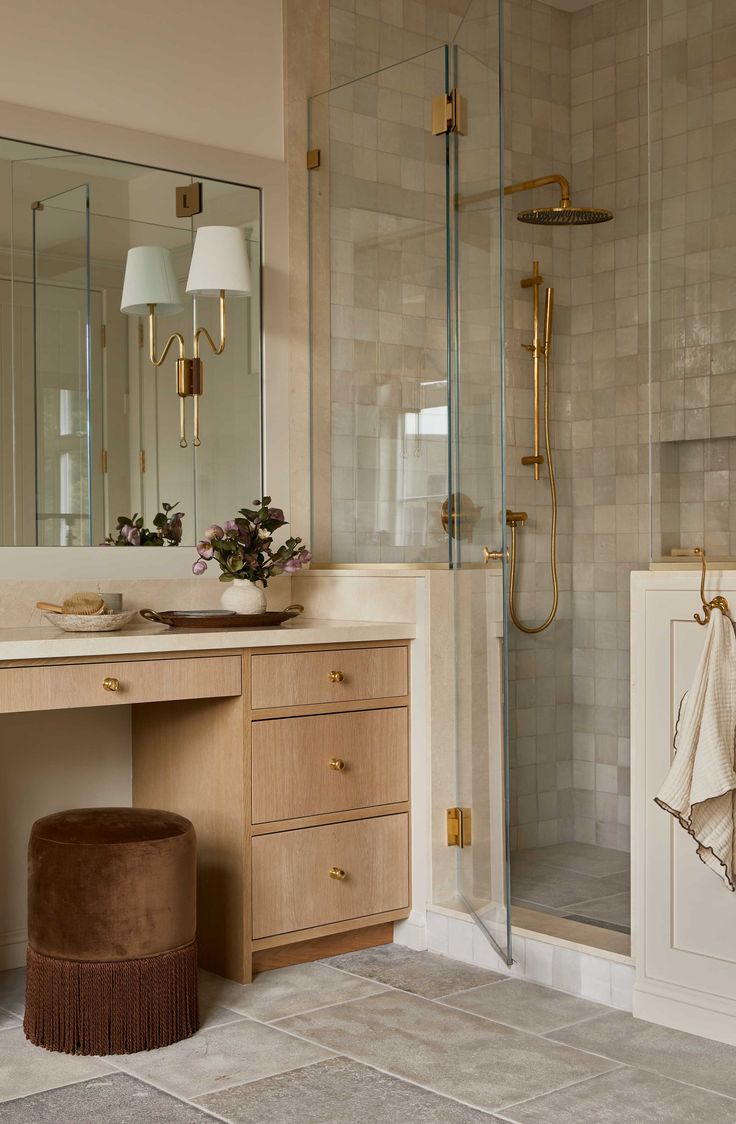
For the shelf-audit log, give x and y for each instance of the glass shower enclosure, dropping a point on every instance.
(407, 386)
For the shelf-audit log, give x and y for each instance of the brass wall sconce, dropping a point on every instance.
(219, 266)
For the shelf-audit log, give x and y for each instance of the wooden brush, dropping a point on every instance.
(79, 604)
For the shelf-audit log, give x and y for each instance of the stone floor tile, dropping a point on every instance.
(454, 1053)
(28, 1069)
(114, 1099)
(285, 991)
(524, 1005)
(13, 991)
(686, 1057)
(423, 973)
(615, 909)
(342, 1091)
(559, 888)
(7, 1020)
(213, 1059)
(585, 858)
(626, 1096)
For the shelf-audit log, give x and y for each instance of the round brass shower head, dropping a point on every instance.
(565, 216)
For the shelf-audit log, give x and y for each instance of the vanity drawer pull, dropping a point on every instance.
(337, 764)
(110, 683)
(338, 874)
(285, 679)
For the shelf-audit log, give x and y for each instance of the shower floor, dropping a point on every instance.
(575, 881)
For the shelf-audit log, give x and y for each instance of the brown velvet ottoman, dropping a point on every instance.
(112, 955)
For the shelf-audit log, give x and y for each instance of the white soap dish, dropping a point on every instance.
(98, 622)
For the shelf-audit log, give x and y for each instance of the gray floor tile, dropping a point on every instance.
(527, 1006)
(556, 887)
(7, 1020)
(115, 1099)
(342, 1091)
(613, 910)
(28, 1069)
(285, 991)
(626, 1096)
(585, 858)
(226, 1055)
(13, 991)
(423, 973)
(449, 1051)
(712, 1065)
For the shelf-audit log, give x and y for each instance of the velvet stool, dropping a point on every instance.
(112, 955)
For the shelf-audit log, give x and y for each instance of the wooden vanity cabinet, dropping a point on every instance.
(299, 792)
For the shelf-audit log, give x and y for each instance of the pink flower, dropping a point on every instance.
(133, 536)
(231, 525)
(204, 549)
(199, 566)
(292, 565)
(214, 532)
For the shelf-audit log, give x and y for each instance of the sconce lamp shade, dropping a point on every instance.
(219, 262)
(150, 279)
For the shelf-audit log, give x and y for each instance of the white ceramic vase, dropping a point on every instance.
(244, 597)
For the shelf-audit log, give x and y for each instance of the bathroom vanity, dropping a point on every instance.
(289, 751)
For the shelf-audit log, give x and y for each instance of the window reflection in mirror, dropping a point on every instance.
(89, 428)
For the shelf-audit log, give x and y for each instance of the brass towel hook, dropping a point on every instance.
(718, 602)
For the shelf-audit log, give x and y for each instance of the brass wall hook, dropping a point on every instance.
(718, 602)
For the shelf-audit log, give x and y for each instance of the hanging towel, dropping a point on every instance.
(700, 786)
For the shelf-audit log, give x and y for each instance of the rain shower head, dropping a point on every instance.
(562, 215)
(565, 216)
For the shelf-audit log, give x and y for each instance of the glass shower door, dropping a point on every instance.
(478, 488)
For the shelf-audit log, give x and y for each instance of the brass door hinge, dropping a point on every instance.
(103, 336)
(459, 823)
(314, 159)
(449, 114)
(142, 460)
(104, 461)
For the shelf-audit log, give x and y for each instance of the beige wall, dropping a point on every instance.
(153, 66)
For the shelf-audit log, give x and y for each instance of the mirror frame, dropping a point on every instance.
(90, 138)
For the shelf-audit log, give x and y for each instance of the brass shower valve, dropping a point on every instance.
(514, 517)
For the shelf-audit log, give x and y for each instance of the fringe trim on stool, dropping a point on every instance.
(111, 1007)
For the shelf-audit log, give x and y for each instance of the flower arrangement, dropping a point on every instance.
(131, 532)
(243, 547)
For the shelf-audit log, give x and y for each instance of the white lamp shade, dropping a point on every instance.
(219, 262)
(150, 279)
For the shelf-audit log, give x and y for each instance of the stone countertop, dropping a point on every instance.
(52, 643)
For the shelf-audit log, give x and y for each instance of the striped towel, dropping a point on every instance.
(700, 786)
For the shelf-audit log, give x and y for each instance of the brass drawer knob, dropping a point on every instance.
(336, 677)
(337, 764)
(337, 874)
(110, 683)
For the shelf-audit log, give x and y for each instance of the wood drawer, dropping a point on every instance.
(292, 775)
(344, 675)
(292, 887)
(65, 686)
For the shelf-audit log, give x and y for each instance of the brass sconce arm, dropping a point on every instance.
(173, 338)
(202, 331)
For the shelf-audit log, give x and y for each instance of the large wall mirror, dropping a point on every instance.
(89, 426)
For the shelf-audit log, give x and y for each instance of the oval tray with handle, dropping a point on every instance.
(220, 618)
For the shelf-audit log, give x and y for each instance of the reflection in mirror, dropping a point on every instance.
(89, 427)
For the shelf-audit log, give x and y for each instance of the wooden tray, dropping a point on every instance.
(218, 618)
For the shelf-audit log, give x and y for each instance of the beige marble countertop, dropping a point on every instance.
(52, 643)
